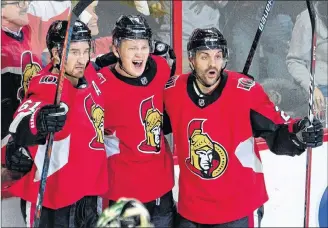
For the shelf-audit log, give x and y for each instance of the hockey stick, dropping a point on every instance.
(310, 114)
(258, 34)
(72, 17)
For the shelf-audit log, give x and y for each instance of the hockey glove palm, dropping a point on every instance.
(51, 118)
(18, 158)
(308, 135)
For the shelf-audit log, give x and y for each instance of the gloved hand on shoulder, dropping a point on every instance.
(164, 50)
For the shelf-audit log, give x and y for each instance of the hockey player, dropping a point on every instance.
(78, 166)
(214, 121)
(18, 63)
(140, 164)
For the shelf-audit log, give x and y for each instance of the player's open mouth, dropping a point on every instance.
(212, 72)
(137, 63)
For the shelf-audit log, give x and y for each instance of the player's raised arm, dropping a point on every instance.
(36, 117)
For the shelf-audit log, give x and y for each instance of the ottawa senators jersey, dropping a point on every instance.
(221, 176)
(18, 65)
(78, 165)
(139, 164)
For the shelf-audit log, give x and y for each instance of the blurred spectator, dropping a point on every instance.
(164, 21)
(44, 13)
(299, 55)
(268, 61)
(41, 15)
(18, 64)
(198, 14)
(118, 8)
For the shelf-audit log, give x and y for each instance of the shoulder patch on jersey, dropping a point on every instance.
(48, 79)
(171, 82)
(245, 84)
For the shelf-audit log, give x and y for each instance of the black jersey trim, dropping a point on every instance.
(145, 79)
(19, 37)
(205, 100)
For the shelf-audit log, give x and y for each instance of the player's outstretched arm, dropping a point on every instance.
(284, 136)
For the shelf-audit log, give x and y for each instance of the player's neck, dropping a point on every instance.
(10, 27)
(122, 72)
(208, 90)
(74, 81)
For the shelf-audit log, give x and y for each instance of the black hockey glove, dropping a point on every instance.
(51, 118)
(308, 135)
(164, 50)
(105, 60)
(18, 158)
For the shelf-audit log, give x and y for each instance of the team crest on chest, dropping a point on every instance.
(151, 118)
(96, 115)
(207, 158)
(29, 69)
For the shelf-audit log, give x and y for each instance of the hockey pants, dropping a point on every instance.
(251, 221)
(161, 210)
(83, 213)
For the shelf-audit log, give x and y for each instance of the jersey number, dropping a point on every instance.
(29, 105)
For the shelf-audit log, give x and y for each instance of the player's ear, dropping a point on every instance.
(115, 51)
(192, 62)
(54, 52)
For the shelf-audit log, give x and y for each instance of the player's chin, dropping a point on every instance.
(211, 81)
(78, 73)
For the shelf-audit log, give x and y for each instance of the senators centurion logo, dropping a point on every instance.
(29, 69)
(207, 158)
(96, 116)
(151, 119)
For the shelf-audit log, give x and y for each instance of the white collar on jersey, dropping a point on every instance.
(12, 32)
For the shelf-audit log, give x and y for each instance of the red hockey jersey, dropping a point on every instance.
(221, 177)
(18, 65)
(139, 163)
(78, 165)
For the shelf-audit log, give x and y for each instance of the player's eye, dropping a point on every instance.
(75, 52)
